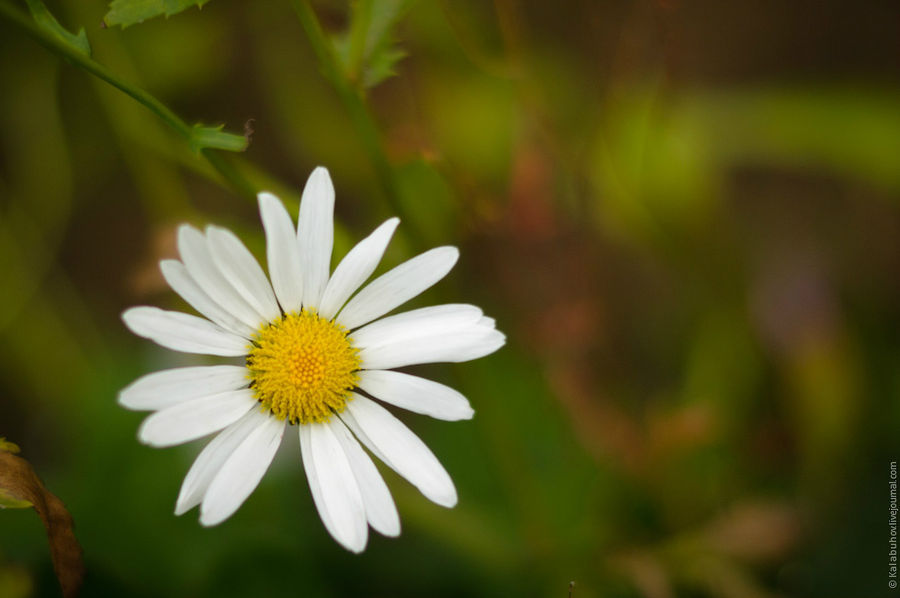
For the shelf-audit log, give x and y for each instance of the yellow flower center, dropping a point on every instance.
(303, 367)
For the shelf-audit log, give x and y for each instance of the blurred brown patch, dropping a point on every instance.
(550, 270)
(718, 556)
(755, 531)
(147, 278)
(646, 572)
(683, 429)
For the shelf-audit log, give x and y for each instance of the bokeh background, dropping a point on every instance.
(683, 214)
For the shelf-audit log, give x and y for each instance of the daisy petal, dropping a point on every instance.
(195, 418)
(183, 332)
(381, 511)
(242, 270)
(181, 282)
(399, 448)
(398, 286)
(463, 345)
(212, 457)
(416, 394)
(315, 234)
(333, 485)
(355, 268)
(242, 471)
(427, 321)
(169, 387)
(199, 262)
(282, 253)
(486, 322)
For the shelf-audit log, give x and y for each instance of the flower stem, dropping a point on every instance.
(359, 29)
(356, 108)
(56, 46)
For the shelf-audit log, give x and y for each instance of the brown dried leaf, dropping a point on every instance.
(19, 482)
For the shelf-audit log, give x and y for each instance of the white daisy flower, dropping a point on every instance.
(310, 348)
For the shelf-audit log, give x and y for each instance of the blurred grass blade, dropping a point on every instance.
(20, 487)
(48, 23)
(130, 12)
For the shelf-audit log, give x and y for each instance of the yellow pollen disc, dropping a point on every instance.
(303, 367)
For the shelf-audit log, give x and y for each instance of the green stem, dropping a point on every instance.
(230, 174)
(359, 30)
(356, 108)
(56, 46)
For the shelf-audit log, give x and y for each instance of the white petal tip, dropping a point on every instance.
(128, 316)
(448, 501)
(210, 521)
(268, 201)
(457, 415)
(319, 182)
(165, 265)
(185, 229)
(152, 444)
(449, 255)
(388, 227)
(214, 518)
(145, 441)
(124, 400)
(142, 434)
(391, 532)
(356, 549)
(495, 341)
(451, 251)
(147, 435)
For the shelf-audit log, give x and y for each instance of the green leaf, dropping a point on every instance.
(129, 12)
(9, 501)
(214, 137)
(381, 66)
(9, 447)
(48, 23)
(367, 52)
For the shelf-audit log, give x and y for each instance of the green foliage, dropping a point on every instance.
(130, 12)
(48, 23)
(366, 52)
(10, 501)
(698, 279)
(8, 447)
(215, 138)
(48, 33)
(427, 200)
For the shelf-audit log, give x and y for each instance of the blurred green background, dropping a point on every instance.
(684, 215)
